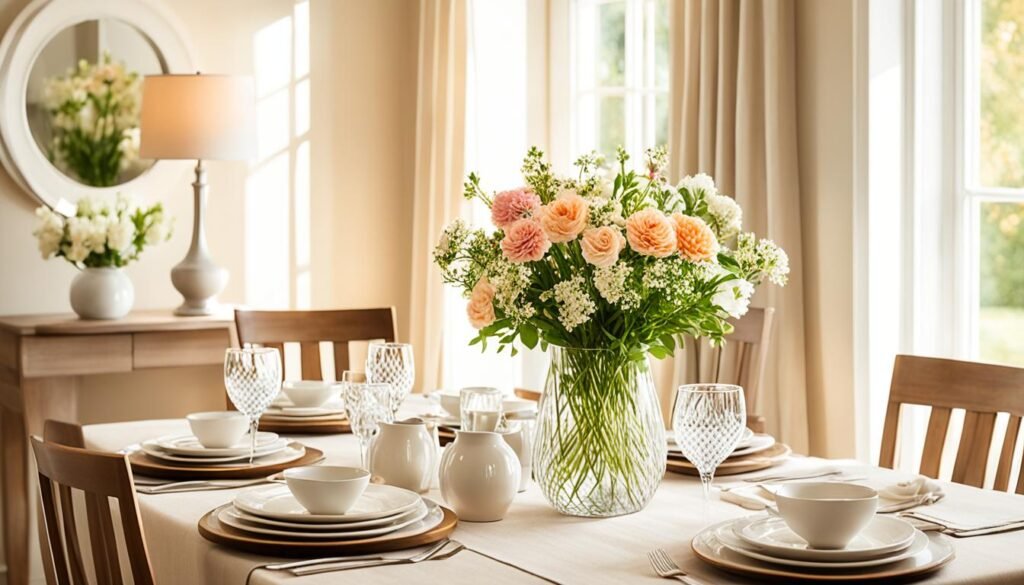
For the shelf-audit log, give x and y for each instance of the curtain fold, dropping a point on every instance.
(733, 116)
(439, 168)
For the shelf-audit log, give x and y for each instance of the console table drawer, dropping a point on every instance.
(71, 355)
(167, 349)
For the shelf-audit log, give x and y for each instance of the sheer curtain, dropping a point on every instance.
(439, 168)
(733, 116)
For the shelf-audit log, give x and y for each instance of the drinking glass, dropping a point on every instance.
(252, 376)
(480, 407)
(353, 376)
(392, 363)
(708, 422)
(367, 405)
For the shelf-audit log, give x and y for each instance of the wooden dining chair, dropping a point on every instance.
(741, 361)
(310, 328)
(100, 476)
(982, 390)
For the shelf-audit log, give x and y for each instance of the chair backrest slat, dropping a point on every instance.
(310, 328)
(100, 476)
(981, 390)
(1003, 468)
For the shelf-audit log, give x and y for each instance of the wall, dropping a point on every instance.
(363, 78)
(825, 102)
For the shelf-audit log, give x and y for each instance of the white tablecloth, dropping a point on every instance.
(533, 539)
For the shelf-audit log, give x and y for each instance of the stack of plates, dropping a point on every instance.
(285, 417)
(754, 451)
(381, 510)
(185, 450)
(765, 546)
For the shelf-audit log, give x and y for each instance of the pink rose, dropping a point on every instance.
(601, 246)
(481, 304)
(564, 218)
(650, 233)
(511, 206)
(525, 241)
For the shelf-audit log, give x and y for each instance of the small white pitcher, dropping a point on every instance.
(403, 455)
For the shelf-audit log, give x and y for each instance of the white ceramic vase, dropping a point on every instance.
(520, 443)
(479, 476)
(102, 293)
(403, 455)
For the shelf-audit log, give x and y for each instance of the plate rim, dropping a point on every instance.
(898, 555)
(324, 526)
(366, 532)
(319, 518)
(823, 555)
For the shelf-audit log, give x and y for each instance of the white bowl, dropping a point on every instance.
(219, 429)
(451, 403)
(310, 393)
(828, 515)
(327, 489)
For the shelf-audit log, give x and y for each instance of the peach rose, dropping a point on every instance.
(694, 238)
(481, 304)
(601, 246)
(525, 241)
(564, 218)
(650, 233)
(513, 205)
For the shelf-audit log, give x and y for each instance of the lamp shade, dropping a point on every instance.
(209, 117)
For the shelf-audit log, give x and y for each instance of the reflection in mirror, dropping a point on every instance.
(84, 98)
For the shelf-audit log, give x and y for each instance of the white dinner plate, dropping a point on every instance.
(278, 503)
(754, 443)
(711, 550)
(304, 412)
(189, 445)
(271, 523)
(770, 535)
(291, 452)
(418, 513)
(727, 536)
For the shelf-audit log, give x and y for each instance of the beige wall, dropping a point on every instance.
(825, 101)
(363, 78)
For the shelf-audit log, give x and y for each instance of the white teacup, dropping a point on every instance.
(219, 429)
(828, 515)
(310, 393)
(327, 489)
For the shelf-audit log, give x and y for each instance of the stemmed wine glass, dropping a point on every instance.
(367, 405)
(708, 422)
(252, 376)
(392, 363)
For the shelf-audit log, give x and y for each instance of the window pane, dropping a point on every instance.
(661, 55)
(1001, 315)
(611, 124)
(661, 119)
(1001, 124)
(610, 66)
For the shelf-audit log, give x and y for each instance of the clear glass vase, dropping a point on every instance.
(600, 440)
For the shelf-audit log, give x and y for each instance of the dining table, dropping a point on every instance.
(533, 543)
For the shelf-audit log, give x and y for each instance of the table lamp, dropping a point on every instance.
(198, 117)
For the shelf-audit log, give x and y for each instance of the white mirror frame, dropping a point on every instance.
(34, 27)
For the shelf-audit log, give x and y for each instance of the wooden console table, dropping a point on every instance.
(42, 358)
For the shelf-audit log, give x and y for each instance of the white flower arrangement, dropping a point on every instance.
(101, 234)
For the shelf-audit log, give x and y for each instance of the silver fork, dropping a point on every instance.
(426, 555)
(666, 568)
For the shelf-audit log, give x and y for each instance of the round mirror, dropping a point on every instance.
(71, 77)
(84, 97)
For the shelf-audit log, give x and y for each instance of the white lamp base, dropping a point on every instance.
(197, 277)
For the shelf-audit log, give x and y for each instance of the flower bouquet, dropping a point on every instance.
(100, 239)
(94, 116)
(605, 269)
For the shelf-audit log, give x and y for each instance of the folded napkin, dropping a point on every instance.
(893, 498)
(965, 516)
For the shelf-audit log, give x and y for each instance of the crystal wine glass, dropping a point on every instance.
(392, 363)
(367, 405)
(252, 377)
(708, 422)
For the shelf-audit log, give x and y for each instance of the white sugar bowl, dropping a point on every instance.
(479, 475)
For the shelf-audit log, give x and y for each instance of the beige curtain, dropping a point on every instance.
(437, 193)
(733, 116)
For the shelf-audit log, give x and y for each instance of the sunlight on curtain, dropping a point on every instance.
(495, 144)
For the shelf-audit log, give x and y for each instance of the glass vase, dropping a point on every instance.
(600, 440)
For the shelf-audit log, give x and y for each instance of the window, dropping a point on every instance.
(619, 59)
(994, 177)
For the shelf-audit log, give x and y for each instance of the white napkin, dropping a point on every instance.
(753, 497)
(913, 488)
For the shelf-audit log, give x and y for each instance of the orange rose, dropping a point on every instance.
(601, 246)
(564, 218)
(650, 233)
(481, 304)
(694, 238)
